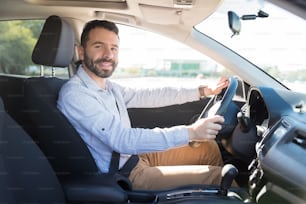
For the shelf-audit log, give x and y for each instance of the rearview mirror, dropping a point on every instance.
(234, 22)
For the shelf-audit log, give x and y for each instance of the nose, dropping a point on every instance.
(108, 53)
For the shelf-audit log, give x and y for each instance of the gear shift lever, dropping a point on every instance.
(229, 172)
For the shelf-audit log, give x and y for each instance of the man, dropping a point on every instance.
(97, 108)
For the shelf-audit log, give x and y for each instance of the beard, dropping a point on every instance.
(92, 66)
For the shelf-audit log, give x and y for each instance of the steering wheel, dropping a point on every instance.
(222, 104)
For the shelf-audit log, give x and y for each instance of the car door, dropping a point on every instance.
(179, 114)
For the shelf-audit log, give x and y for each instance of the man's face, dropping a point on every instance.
(100, 55)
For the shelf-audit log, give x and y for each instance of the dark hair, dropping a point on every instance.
(94, 24)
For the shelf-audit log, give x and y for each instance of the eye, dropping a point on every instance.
(98, 46)
(115, 49)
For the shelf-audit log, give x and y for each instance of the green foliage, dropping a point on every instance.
(287, 75)
(295, 75)
(35, 26)
(17, 40)
(273, 71)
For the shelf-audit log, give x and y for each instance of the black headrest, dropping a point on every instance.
(55, 46)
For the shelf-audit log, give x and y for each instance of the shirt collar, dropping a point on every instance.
(89, 82)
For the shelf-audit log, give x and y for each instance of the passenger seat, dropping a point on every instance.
(25, 173)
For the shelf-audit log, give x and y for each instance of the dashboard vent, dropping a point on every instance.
(300, 140)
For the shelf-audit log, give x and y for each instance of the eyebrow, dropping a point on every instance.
(99, 42)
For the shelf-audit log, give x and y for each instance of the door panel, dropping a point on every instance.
(166, 116)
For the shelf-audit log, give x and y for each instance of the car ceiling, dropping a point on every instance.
(150, 14)
(173, 18)
(167, 12)
(297, 7)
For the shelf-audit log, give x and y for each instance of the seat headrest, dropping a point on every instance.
(55, 45)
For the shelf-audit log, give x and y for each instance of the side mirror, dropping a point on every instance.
(234, 22)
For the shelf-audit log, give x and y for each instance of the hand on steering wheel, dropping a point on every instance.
(223, 105)
(218, 104)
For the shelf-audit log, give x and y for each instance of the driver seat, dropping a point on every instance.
(57, 138)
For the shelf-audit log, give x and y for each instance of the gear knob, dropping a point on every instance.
(229, 172)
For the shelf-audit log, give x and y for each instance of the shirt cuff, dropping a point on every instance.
(180, 134)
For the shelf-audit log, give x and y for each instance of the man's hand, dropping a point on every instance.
(205, 128)
(216, 89)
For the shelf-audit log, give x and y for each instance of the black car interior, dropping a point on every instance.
(44, 160)
(49, 162)
(26, 175)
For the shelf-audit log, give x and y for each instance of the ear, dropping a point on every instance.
(80, 52)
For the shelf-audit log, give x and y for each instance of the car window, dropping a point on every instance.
(275, 43)
(147, 59)
(17, 40)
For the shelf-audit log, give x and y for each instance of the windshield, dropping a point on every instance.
(276, 44)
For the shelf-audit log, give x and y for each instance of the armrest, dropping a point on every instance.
(96, 188)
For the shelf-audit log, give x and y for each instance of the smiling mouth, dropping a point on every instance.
(105, 64)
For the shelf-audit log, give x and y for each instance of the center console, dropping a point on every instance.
(222, 194)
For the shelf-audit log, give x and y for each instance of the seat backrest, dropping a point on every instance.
(25, 174)
(57, 138)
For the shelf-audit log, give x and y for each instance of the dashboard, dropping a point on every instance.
(277, 171)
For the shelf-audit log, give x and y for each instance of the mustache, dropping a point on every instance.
(103, 60)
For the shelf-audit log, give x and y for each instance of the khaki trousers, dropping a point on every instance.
(177, 167)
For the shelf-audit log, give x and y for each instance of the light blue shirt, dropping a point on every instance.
(100, 116)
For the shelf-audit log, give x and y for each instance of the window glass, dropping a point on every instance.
(147, 59)
(276, 43)
(17, 40)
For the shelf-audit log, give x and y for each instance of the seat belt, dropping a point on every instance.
(127, 167)
(114, 165)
